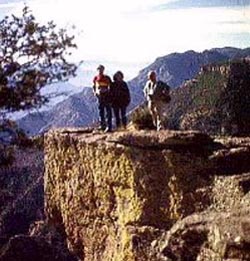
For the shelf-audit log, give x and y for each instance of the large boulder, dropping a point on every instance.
(116, 195)
(210, 237)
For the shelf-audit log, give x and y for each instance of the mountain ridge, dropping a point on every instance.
(174, 68)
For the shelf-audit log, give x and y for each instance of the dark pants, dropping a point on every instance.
(105, 114)
(120, 116)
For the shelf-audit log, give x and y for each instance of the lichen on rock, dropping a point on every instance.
(116, 195)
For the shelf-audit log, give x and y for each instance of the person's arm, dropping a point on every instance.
(165, 92)
(166, 89)
(111, 89)
(128, 92)
(110, 81)
(145, 90)
(94, 85)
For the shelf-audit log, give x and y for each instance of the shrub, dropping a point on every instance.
(141, 118)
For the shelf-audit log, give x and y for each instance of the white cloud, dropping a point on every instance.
(128, 31)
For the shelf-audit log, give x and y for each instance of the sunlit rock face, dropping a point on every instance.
(121, 196)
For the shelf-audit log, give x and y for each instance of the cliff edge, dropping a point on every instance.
(145, 195)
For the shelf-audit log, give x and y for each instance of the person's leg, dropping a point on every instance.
(159, 122)
(102, 115)
(160, 107)
(152, 110)
(124, 117)
(117, 116)
(109, 117)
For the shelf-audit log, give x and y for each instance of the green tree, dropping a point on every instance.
(32, 56)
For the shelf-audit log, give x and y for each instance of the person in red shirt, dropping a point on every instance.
(101, 88)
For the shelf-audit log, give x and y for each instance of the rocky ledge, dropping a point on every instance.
(149, 195)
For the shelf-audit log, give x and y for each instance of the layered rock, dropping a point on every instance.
(117, 195)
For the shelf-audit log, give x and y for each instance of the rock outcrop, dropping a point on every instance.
(21, 193)
(215, 102)
(209, 236)
(148, 195)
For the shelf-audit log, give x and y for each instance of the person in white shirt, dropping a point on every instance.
(157, 95)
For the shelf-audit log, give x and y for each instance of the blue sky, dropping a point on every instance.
(141, 30)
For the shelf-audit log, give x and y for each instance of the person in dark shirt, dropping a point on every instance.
(120, 96)
(101, 88)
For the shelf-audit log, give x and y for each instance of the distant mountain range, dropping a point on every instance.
(80, 109)
(178, 67)
(84, 77)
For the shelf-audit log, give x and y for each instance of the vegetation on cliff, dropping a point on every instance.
(217, 101)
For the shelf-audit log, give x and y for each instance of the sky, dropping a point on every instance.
(139, 31)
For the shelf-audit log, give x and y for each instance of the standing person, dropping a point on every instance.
(120, 99)
(101, 88)
(157, 95)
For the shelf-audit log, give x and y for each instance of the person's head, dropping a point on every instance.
(100, 69)
(152, 76)
(118, 76)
